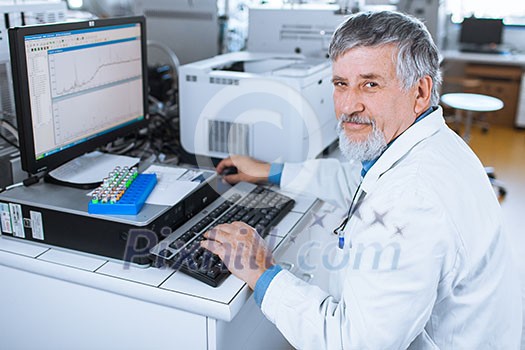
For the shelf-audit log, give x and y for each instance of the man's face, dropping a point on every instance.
(370, 102)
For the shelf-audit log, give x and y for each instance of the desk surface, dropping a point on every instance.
(160, 286)
(507, 59)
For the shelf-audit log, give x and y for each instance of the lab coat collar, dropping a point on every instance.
(416, 133)
(367, 164)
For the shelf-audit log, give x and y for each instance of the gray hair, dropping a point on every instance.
(417, 54)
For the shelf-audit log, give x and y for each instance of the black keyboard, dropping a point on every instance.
(492, 51)
(258, 206)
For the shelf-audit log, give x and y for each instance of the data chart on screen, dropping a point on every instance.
(83, 83)
(79, 70)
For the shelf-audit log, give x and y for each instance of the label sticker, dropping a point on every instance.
(5, 218)
(17, 220)
(36, 225)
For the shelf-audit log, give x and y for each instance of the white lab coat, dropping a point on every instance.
(429, 265)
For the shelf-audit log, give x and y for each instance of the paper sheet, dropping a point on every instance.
(173, 184)
(91, 167)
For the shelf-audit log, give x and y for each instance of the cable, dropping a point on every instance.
(33, 179)
(157, 105)
(9, 141)
(163, 135)
(126, 149)
(10, 127)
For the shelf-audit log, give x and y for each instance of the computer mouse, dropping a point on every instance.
(230, 170)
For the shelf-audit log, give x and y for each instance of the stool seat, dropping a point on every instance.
(472, 102)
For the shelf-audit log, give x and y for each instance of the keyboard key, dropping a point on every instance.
(214, 272)
(166, 253)
(177, 244)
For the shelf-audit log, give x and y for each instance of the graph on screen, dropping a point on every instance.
(84, 83)
(77, 70)
(102, 115)
(95, 76)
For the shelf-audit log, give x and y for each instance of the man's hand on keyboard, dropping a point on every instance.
(248, 169)
(241, 249)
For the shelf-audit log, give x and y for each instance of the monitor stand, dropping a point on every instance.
(88, 170)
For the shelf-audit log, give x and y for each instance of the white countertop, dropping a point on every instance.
(503, 59)
(161, 286)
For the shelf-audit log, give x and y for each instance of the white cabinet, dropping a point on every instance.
(48, 313)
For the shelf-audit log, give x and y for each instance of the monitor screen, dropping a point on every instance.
(77, 86)
(481, 31)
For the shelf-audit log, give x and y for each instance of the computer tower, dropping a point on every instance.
(58, 216)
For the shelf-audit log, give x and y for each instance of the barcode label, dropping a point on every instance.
(17, 220)
(37, 225)
(5, 218)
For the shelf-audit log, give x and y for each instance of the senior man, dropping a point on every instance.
(450, 282)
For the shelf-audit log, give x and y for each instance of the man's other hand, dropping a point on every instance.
(241, 249)
(248, 169)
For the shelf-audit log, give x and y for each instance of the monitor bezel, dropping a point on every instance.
(29, 161)
(476, 22)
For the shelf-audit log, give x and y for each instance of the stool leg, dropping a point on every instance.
(482, 121)
(457, 121)
(468, 126)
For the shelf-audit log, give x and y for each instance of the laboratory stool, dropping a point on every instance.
(475, 103)
(471, 103)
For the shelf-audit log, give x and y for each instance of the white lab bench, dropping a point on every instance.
(61, 299)
(473, 57)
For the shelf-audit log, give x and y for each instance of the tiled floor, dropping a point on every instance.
(504, 149)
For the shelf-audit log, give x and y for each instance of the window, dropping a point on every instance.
(512, 11)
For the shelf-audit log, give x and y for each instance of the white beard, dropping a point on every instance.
(369, 149)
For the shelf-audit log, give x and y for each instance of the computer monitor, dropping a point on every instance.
(481, 31)
(77, 86)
